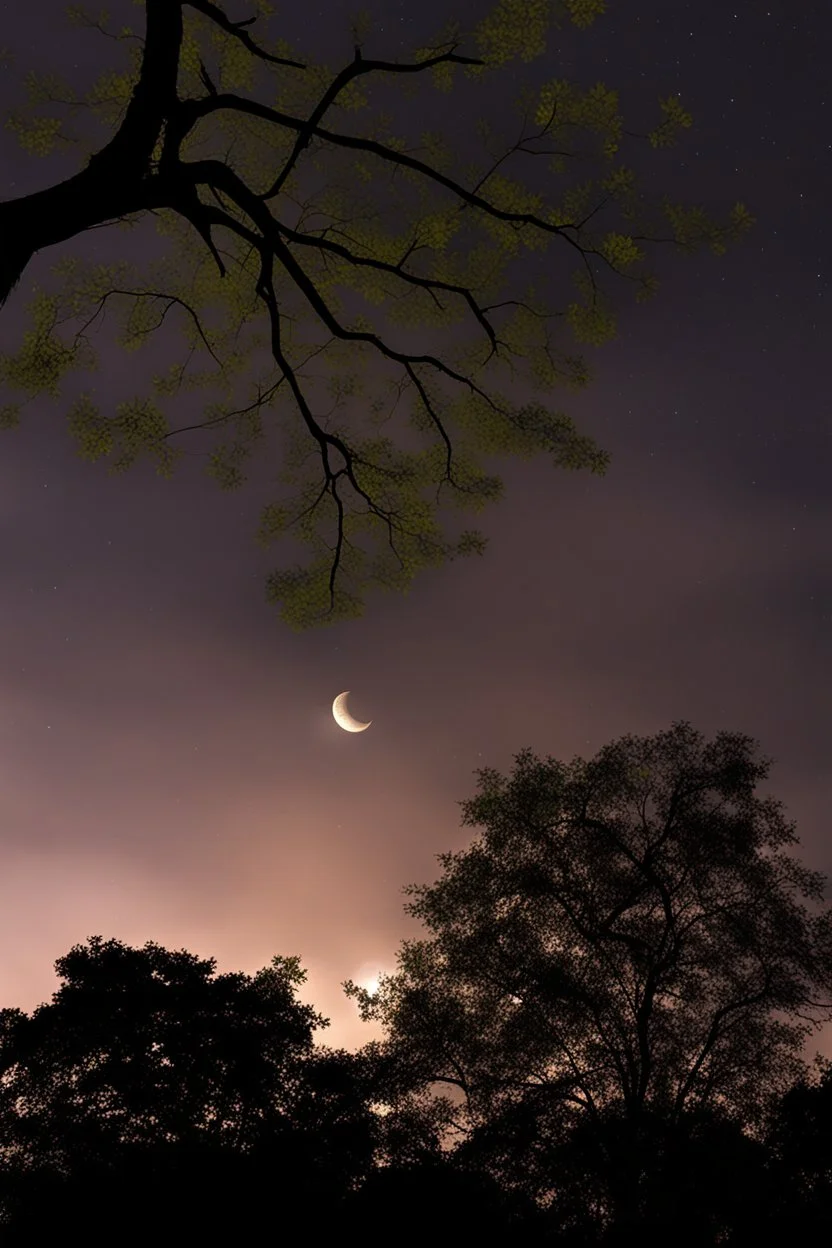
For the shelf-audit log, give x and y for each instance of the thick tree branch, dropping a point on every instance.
(116, 182)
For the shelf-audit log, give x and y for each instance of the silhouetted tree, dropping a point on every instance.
(275, 207)
(443, 1205)
(796, 1200)
(155, 1098)
(617, 984)
(619, 1176)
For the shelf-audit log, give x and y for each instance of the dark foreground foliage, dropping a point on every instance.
(598, 1044)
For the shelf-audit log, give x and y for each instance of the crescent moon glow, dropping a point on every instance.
(342, 717)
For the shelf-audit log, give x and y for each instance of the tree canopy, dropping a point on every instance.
(292, 210)
(153, 1100)
(148, 1077)
(619, 972)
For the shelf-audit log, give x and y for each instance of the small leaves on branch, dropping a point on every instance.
(292, 213)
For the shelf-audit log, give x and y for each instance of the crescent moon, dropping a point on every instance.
(343, 718)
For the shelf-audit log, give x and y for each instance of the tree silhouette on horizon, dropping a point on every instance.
(616, 983)
(197, 1101)
(619, 975)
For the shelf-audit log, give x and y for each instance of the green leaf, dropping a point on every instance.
(10, 416)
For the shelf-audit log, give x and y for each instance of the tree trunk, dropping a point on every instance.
(117, 180)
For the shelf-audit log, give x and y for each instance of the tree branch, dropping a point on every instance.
(237, 30)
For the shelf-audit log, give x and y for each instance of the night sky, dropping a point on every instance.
(169, 767)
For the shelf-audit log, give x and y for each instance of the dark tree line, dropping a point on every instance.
(599, 1041)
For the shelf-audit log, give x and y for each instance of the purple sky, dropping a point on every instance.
(169, 768)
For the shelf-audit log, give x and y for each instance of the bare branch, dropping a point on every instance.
(347, 75)
(237, 29)
(426, 283)
(170, 301)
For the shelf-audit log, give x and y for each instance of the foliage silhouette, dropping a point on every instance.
(197, 1102)
(619, 976)
(439, 1204)
(621, 1178)
(110, 1133)
(797, 1199)
(382, 438)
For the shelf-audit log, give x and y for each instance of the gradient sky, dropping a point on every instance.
(169, 768)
